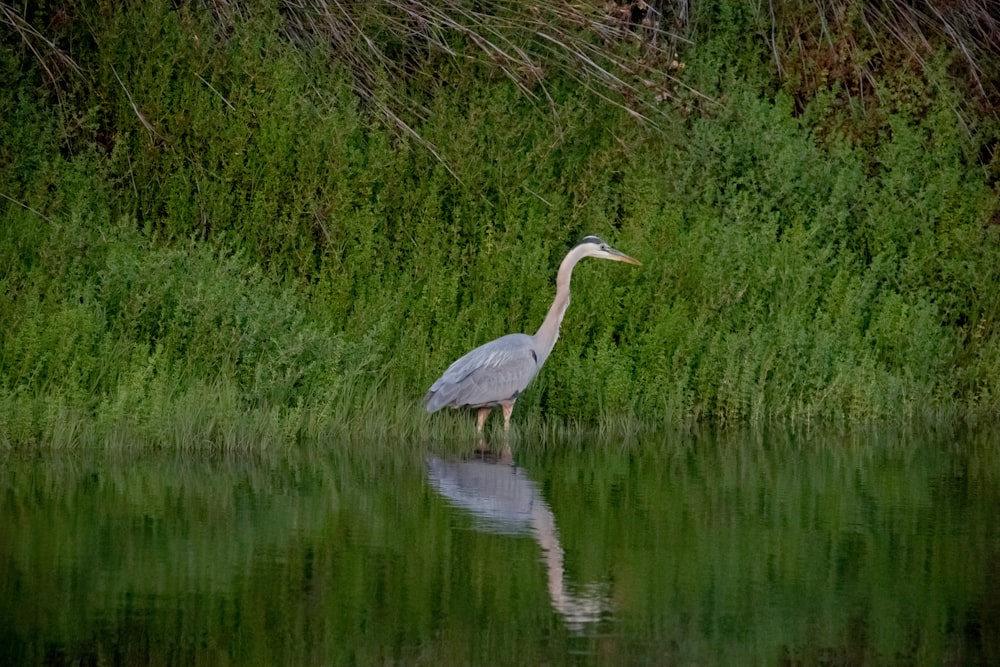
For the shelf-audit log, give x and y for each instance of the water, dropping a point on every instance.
(764, 549)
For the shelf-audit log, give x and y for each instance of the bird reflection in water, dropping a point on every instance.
(503, 500)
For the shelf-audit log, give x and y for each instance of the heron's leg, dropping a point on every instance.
(508, 407)
(482, 414)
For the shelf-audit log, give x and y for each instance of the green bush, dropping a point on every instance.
(211, 234)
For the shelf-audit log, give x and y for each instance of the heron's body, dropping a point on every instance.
(497, 372)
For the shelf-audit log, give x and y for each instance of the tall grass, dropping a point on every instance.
(866, 45)
(214, 240)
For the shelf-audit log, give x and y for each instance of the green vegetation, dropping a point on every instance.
(228, 225)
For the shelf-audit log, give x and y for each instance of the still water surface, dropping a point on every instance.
(760, 549)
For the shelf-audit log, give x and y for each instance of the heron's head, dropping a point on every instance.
(595, 246)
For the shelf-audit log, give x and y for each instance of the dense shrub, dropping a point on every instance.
(211, 222)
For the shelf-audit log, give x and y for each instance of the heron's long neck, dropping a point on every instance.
(549, 331)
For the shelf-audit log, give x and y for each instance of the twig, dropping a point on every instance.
(26, 30)
(28, 208)
(212, 88)
(135, 108)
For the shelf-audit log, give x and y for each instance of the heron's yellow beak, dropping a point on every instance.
(619, 256)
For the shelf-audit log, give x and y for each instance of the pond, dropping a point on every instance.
(764, 548)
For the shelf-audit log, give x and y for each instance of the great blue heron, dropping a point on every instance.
(497, 372)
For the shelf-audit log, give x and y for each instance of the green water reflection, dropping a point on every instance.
(739, 550)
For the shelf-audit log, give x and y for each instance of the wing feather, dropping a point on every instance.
(494, 372)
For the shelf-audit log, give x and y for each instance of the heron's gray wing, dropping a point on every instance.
(501, 497)
(496, 371)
